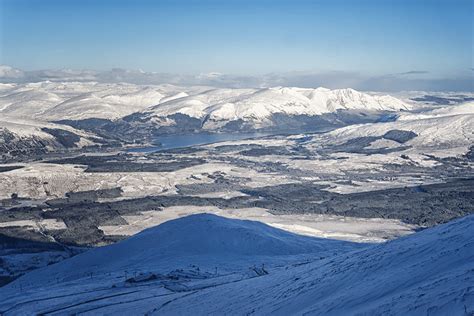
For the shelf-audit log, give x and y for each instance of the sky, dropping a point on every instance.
(418, 42)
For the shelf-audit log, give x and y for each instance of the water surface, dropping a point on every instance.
(181, 141)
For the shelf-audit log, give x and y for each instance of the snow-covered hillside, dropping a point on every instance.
(204, 264)
(459, 109)
(140, 113)
(26, 138)
(259, 105)
(443, 129)
(50, 101)
(206, 239)
(430, 272)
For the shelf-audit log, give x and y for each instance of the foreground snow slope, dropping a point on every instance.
(430, 272)
(208, 238)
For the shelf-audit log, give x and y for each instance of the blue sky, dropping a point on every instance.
(429, 39)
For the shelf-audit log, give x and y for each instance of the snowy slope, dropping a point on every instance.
(215, 107)
(460, 109)
(25, 138)
(27, 102)
(428, 272)
(104, 104)
(261, 104)
(49, 101)
(27, 129)
(431, 272)
(206, 238)
(444, 128)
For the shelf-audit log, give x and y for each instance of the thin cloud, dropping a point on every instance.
(333, 79)
(413, 72)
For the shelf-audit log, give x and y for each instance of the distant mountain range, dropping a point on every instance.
(218, 107)
(133, 112)
(49, 116)
(74, 101)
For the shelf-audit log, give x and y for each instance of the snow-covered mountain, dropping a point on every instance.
(204, 264)
(134, 113)
(20, 138)
(449, 129)
(430, 272)
(212, 107)
(207, 239)
(218, 107)
(52, 101)
(459, 109)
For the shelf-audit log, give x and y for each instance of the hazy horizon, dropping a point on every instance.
(368, 45)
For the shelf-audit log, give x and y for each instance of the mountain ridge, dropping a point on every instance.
(261, 104)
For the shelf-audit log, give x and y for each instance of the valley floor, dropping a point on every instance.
(302, 183)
